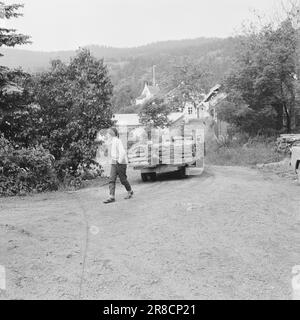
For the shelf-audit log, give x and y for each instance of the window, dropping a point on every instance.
(190, 110)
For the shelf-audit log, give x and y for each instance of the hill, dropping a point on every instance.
(39, 60)
(130, 67)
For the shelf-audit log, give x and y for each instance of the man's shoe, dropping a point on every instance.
(110, 200)
(129, 196)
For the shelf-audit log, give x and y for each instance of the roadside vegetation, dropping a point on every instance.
(241, 153)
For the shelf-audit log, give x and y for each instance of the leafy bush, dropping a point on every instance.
(74, 103)
(25, 170)
(71, 176)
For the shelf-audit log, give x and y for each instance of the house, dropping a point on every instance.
(197, 112)
(194, 111)
(131, 121)
(191, 110)
(149, 91)
(204, 105)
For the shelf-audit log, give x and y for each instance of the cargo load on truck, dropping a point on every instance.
(179, 150)
(158, 151)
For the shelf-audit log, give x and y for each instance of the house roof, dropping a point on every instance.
(154, 90)
(175, 116)
(218, 98)
(212, 92)
(134, 120)
(142, 97)
(127, 119)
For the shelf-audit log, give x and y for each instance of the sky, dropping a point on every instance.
(69, 24)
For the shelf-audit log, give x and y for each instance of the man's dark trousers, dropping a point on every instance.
(118, 170)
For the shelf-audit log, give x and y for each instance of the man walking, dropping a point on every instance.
(119, 163)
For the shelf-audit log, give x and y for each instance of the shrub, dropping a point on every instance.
(72, 176)
(25, 170)
(238, 153)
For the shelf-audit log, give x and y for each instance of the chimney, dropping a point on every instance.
(153, 74)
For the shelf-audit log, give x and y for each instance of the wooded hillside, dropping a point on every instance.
(130, 67)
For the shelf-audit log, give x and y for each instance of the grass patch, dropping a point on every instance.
(242, 155)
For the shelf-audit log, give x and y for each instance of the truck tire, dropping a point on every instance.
(182, 173)
(144, 177)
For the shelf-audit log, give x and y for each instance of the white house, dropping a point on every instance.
(206, 107)
(148, 93)
(192, 111)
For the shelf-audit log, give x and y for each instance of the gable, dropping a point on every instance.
(146, 91)
(146, 94)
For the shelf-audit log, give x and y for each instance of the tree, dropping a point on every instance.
(9, 37)
(75, 103)
(261, 88)
(293, 13)
(154, 113)
(123, 97)
(190, 81)
(13, 98)
(18, 117)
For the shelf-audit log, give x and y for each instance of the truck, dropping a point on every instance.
(150, 172)
(163, 152)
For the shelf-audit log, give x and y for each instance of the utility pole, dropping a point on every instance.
(153, 76)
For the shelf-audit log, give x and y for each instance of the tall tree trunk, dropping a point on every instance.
(288, 118)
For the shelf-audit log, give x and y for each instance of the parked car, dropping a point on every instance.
(295, 160)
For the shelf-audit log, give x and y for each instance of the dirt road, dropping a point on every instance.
(232, 233)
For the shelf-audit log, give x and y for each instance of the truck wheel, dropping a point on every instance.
(182, 173)
(144, 177)
(153, 176)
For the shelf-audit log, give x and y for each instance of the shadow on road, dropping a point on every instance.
(173, 176)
